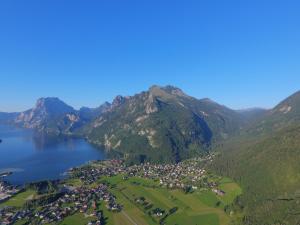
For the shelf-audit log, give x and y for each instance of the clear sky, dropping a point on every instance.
(238, 53)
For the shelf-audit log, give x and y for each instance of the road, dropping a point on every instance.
(129, 218)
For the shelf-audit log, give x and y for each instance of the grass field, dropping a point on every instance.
(77, 219)
(19, 199)
(232, 190)
(197, 208)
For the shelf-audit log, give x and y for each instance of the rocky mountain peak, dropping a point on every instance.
(118, 100)
(52, 105)
(156, 90)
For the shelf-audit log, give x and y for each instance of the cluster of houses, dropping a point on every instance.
(180, 176)
(91, 173)
(74, 200)
(8, 215)
(7, 191)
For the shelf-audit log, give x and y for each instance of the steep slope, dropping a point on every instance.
(265, 161)
(163, 124)
(285, 114)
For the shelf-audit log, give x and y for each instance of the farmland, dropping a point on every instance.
(199, 207)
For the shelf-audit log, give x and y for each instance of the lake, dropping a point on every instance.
(32, 156)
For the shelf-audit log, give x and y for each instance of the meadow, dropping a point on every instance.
(196, 208)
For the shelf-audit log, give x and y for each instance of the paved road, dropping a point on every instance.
(128, 217)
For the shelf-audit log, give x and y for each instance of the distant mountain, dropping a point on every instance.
(163, 124)
(51, 115)
(47, 115)
(89, 114)
(265, 161)
(252, 115)
(7, 117)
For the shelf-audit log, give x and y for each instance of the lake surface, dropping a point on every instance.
(33, 157)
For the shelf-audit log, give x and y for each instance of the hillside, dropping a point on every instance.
(163, 124)
(285, 114)
(265, 161)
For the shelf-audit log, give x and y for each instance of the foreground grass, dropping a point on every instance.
(77, 219)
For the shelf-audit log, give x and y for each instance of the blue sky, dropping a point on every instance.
(238, 53)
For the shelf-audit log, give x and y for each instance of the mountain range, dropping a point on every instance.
(160, 124)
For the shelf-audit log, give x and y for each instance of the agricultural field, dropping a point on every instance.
(141, 197)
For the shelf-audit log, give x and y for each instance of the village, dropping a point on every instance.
(184, 175)
(85, 198)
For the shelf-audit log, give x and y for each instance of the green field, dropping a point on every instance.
(19, 199)
(232, 190)
(77, 219)
(197, 208)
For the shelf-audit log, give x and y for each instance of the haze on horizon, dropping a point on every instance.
(240, 54)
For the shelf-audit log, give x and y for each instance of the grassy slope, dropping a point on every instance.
(19, 199)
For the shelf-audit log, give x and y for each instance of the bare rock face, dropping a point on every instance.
(119, 100)
(150, 106)
(285, 109)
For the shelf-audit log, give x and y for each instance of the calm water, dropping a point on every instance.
(34, 157)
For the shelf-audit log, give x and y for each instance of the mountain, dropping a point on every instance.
(162, 124)
(265, 161)
(49, 115)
